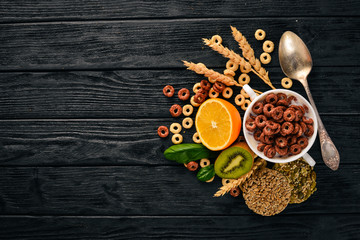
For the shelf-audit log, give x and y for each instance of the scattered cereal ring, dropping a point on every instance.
(216, 39)
(177, 138)
(271, 98)
(211, 80)
(168, 90)
(175, 128)
(265, 58)
(188, 110)
(192, 166)
(226, 181)
(286, 82)
(250, 125)
(242, 92)
(260, 121)
(231, 65)
(267, 109)
(196, 138)
(196, 87)
(213, 93)
(218, 87)
(163, 131)
(187, 122)
(175, 110)
(245, 105)
(295, 149)
(244, 79)
(211, 179)
(227, 92)
(268, 46)
(184, 94)
(229, 73)
(303, 142)
(243, 69)
(193, 102)
(204, 162)
(260, 34)
(258, 108)
(235, 191)
(205, 85)
(239, 99)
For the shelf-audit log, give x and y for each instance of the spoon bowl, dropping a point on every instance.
(295, 61)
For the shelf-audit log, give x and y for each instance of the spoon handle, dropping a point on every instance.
(329, 152)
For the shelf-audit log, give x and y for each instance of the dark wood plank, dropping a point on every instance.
(113, 94)
(125, 142)
(164, 43)
(177, 227)
(13, 11)
(146, 191)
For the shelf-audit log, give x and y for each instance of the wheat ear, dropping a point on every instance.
(226, 188)
(200, 68)
(248, 53)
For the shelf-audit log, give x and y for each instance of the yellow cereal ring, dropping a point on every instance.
(227, 92)
(193, 102)
(239, 99)
(211, 179)
(242, 92)
(229, 72)
(196, 87)
(204, 162)
(216, 39)
(231, 65)
(244, 79)
(177, 138)
(268, 46)
(175, 128)
(265, 58)
(286, 82)
(226, 181)
(187, 122)
(260, 34)
(244, 70)
(211, 80)
(196, 138)
(245, 105)
(213, 94)
(188, 110)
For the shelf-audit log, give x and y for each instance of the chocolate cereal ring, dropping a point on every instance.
(277, 113)
(289, 115)
(265, 58)
(250, 124)
(187, 122)
(295, 149)
(310, 130)
(163, 131)
(244, 79)
(268, 46)
(213, 93)
(246, 104)
(282, 102)
(177, 138)
(281, 142)
(267, 109)
(307, 120)
(227, 92)
(268, 131)
(199, 97)
(287, 128)
(303, 126)
(260, 121)
(272, 125)
(184, 94)
(218, 86)
(281, 151)
(175, 110)
(188, 110)
(239, 100)
(269, 139)
(257, 135)
(291, 140)
(286, 82)
(168, 90)
(270, 153)
(291, 98)
(298, 115)
(175, 128)
(281, 96)
(205, 85)
(303, 142)
(296, 128)
(271, 98)
(258, 108)
(193, 103)
(261, 146)
(196, 87)
(260, 34)
(266, 148)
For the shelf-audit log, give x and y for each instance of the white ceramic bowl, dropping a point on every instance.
(300, 100)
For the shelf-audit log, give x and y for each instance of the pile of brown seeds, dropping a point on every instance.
(267, 193)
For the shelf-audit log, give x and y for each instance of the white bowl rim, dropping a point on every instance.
(311, 139)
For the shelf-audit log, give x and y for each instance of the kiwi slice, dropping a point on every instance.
(233, 163)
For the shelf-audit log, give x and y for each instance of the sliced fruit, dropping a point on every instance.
(218, 123)
(233, 163)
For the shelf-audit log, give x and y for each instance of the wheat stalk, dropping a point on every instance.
(226, 188)
(200, 68)
(248, 53)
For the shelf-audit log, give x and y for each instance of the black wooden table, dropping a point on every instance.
(81, 99)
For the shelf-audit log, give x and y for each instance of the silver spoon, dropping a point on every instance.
(296, 63)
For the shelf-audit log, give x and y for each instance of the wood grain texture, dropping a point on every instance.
(15, 11)
(163, 43)
(147, 191)
(125, 141)
(116, 94)
(306, 227)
